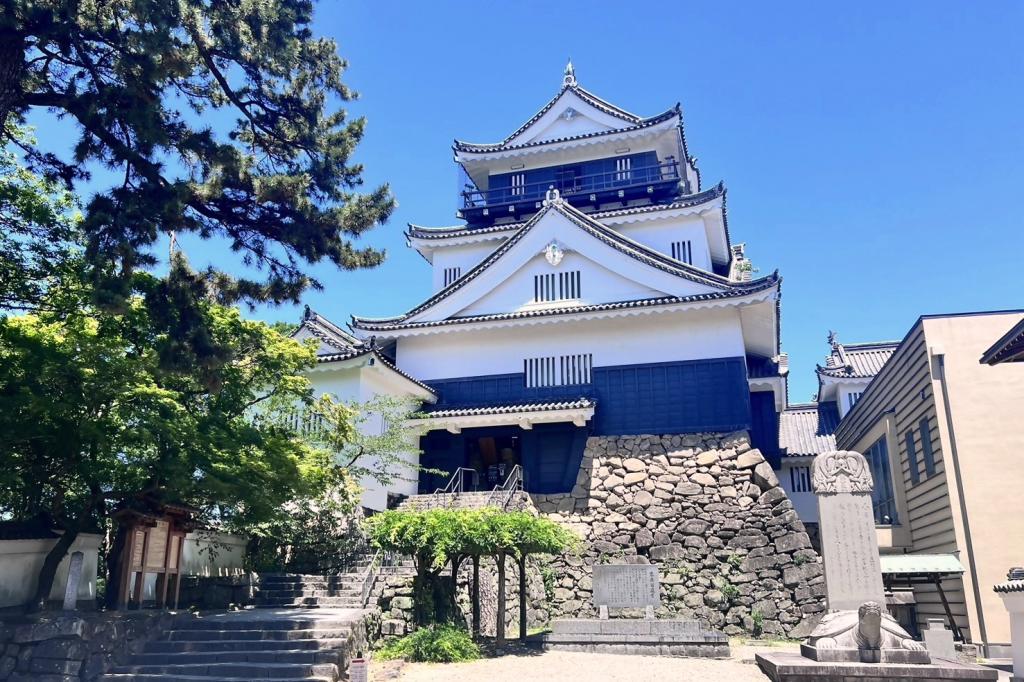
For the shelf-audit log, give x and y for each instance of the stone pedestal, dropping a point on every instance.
(939, 641)
(641, 637)
(792, 667)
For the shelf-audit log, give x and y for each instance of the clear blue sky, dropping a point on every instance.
(872, 151)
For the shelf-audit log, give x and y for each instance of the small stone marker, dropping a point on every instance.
(630, 586)
(74, 578)
(938, 640)
(853, 570)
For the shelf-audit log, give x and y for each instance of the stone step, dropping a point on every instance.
(179, 646)
(354, 601)
(249, 671)
(242, 656)
(214, 635)
(264, 624)
(307, 591)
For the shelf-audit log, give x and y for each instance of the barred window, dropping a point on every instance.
(883, 499)
(451, 274)
(558, 370)
(683, 251)
(800, 479)
(556, 286)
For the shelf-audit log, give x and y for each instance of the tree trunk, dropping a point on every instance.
(115, 567)
(500, 625)
(476, 597)
(522, 598)
(49, 570)
(12, 70)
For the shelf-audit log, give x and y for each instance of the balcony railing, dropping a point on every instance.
(596, 186)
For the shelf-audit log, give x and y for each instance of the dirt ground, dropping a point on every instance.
(558, 665)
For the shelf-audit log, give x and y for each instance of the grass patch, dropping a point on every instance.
(433, 644)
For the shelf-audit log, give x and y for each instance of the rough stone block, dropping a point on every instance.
(749, 459)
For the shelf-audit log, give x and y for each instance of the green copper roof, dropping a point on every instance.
(902, 564)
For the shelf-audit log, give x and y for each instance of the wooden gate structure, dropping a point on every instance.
(153, 544)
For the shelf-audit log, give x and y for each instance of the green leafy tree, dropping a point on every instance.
(92, 420)
(442, 538)
(38, 232)
(144, 83)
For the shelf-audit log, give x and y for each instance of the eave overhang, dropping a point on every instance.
(524, 415)
(468, 153)
(670, 304)
(373, 358)
(1009, 348)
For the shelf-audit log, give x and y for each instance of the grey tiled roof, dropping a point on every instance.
(384, 360)
(326, 331)
(621, 243)
(588, 97)
(387, 325)
(808, 429)
(579, 403)
(470, 147)
(862, 360)
(421, 232)
(1010, 586)
(1009, 348)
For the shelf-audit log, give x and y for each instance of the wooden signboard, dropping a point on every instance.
(153, 546)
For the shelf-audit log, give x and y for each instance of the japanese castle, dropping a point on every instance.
(593, 289)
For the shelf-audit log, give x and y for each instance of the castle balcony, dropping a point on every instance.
(523, 196)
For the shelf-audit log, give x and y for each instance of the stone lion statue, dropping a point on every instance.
(870, 627)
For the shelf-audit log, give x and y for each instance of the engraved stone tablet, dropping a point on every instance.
(629, 586)
(74, 578)
(853, 571)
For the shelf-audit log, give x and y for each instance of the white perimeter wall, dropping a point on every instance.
(689, 335)
(20, 561)
(213, 554)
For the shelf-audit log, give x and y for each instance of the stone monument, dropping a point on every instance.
(632, 586)
(74, 578)
(627, 586)
(857, 638)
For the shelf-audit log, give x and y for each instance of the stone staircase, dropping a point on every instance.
(246, 646)
(290, 590)
(473, 500)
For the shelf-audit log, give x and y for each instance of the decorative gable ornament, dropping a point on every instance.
(569, 114)
(554, 253)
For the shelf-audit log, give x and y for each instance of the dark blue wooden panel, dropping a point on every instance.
(662, 398)
(764, 426)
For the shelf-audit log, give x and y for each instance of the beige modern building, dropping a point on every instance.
(952, 429)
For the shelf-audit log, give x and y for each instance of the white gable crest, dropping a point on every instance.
(554, 253)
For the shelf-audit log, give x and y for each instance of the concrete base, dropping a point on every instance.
(898, 656)
(792, 667)
(641, 637)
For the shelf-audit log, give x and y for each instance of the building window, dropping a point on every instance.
(451, 274)
(852, 398)
(915, 475)
(926, 447)
(518, 184)
(623, 168)
(563, 370)
(800, 479)
(556, 286)
(683, 251)
(883, 498)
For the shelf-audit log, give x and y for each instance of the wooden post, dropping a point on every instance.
(500, 626)
(522, 597)
(476, 597)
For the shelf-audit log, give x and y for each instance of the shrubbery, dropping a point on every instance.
(434, 644)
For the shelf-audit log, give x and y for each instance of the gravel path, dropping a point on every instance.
(559, 665)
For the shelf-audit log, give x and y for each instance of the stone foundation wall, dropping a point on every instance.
(708, 510)
(67, 648)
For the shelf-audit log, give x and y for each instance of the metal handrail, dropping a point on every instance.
(513, 484)
(580, 184)
(456, 484)
(369, 577)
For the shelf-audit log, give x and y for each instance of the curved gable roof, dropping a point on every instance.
(594, 228)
